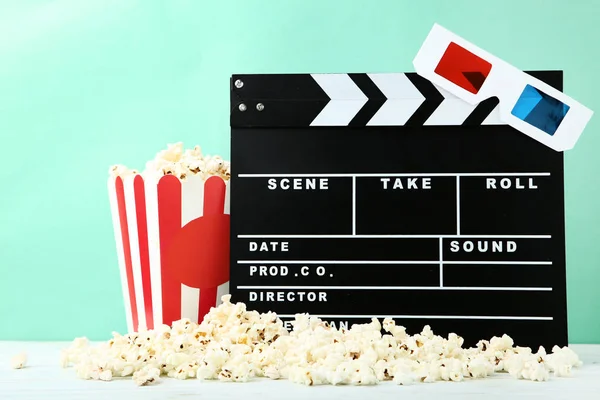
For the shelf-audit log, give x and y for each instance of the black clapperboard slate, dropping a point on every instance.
(467, 235)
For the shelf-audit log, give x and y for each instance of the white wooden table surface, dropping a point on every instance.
(43, 378)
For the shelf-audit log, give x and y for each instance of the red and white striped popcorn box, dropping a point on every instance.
(172, 239)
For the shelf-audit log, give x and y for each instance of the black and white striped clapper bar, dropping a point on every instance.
(358, 195)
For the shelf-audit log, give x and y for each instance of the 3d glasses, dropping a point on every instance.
(525, 103)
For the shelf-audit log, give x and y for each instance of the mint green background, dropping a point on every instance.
(85, 84)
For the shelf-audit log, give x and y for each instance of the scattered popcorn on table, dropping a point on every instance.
(233, 344)
(105, 375)
(174, 160)
(18, 361)
(146, 376)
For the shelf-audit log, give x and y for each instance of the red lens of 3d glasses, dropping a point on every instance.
(463, 68)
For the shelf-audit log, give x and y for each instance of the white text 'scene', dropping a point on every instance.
(298, 184)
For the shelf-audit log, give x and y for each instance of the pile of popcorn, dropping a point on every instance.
(235, 344)
(174, 160)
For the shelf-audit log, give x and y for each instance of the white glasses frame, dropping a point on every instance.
(505, 82)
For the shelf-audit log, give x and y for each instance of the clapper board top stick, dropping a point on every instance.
(378, 195)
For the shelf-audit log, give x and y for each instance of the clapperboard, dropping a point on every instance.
(381, 195)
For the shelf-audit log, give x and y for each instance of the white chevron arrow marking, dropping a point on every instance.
(452, 111)
(346, 100)
(403, 99)
(493, 118)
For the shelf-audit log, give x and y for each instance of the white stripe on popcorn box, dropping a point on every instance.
(138, 208)
(223, 289)
(114, 208)
(154, 250)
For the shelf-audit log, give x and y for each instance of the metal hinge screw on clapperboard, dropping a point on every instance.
(356, 196)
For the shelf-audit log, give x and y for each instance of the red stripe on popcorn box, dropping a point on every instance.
(169, 222)
(173, 246)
